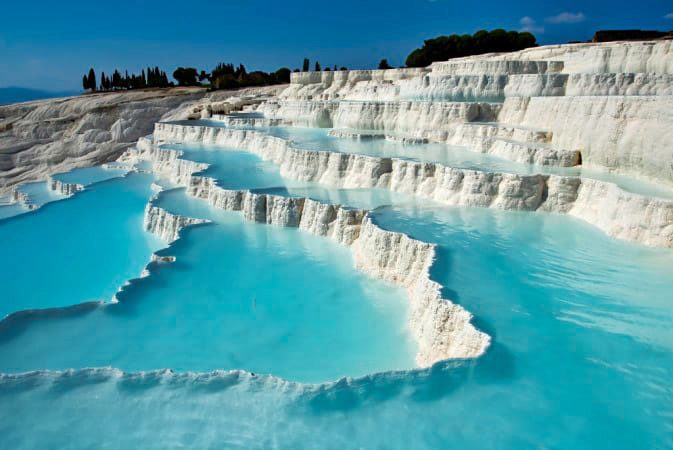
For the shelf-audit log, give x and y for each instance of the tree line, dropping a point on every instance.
(230, 76)
(443, 48)
(152, 77)
(317, 68)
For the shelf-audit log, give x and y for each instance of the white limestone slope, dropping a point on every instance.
(441, 329)
(41, 138)
(631, 135)
(38, 139)
(602, 105)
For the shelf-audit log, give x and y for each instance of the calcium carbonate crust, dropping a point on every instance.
(604, 105)
(45, 137)
(441, 328)
(618, 213)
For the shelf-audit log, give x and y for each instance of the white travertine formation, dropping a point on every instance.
(417, 118)
(618, 57)
(355, 134)
(62, 188)
(167, 226)
(471, 66)
(433, 87)
(407, 140)
(459, 187)
(632, 135)
(234, 121)
(442, 329)
(40, 138)
(634, 84)
(367, 135)
(541, 154)
(609, 103)
(22, 198)
(439, 326)
(344, 84)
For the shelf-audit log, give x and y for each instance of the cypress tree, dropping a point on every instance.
(92, 80)
(85, 82)
(317, 66)
(383, 65)
(306, 65)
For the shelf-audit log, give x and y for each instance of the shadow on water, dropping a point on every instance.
(17, 323)
(12, 384)
(439, 272)
(440, 381)
(278, 190)
(138, 383)
(443, 265)
(71, 380)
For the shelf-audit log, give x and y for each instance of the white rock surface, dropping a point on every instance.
(38, 139)
(66, 189)
(610, 103)
(167, 226)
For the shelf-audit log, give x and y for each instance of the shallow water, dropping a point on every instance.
(238, 169)
(450, 155)
(90, 175)
(8, 210)
(582, 327)
(240, 296)
(76, 250)
(39, 193)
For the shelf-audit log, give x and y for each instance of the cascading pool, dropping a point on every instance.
(581, 326)
(76, 250)
(450, 155)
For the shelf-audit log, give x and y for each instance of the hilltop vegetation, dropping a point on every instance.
(443, 48)
(230, 76)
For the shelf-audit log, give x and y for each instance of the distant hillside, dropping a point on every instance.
(19, 94)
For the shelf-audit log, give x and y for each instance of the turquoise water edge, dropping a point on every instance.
(266, 337)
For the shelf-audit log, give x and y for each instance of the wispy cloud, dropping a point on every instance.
(529, 24)
(567, 17)
(668, 16)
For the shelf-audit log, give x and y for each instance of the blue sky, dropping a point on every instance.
(49, 44)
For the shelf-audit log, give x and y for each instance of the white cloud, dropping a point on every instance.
(529, 24)
(567, 17)
(668, 16)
